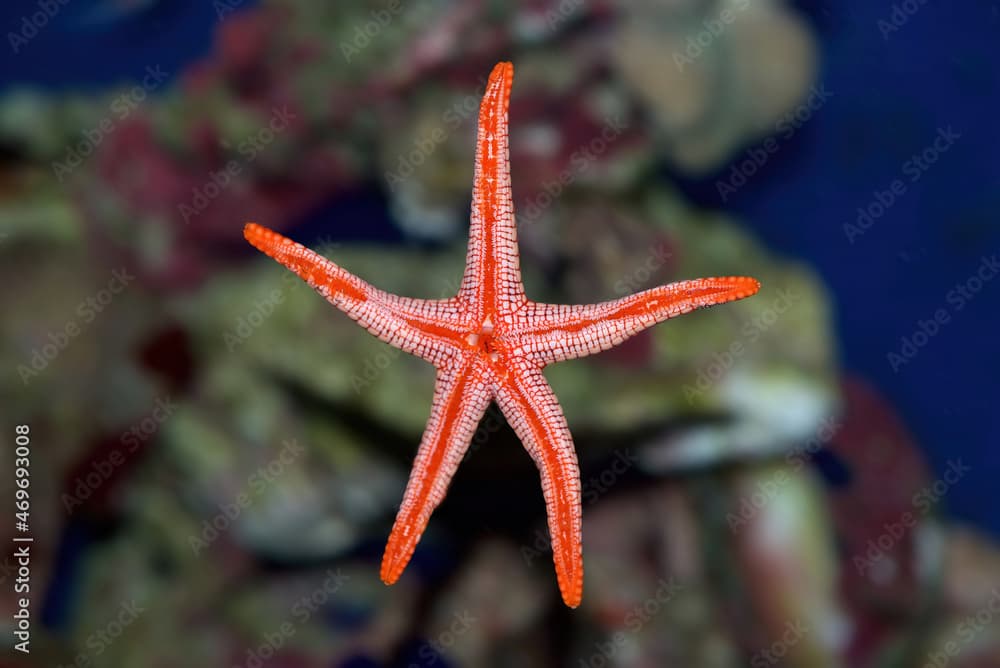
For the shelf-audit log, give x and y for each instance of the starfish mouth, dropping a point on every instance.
(484, 341)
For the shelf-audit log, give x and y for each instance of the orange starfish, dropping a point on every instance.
(490, 342)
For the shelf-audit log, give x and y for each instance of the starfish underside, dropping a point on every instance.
(490, 343)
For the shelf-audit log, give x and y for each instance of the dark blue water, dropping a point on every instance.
(892, 90)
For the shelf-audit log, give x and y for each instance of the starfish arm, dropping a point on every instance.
(567, 332)
(492, 280)
(532, 410)
(425, 328)
(460, 399)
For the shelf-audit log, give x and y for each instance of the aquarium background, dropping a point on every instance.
(803, 478)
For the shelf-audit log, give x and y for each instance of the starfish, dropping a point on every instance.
(490, 343)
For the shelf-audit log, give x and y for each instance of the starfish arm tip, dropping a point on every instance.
(744, 286)
(572, 593)
(751, 283)
(251, 229)
(260, 237)
(392, 566)
(569, 572)
(388, 576)
(398, 552)
(504, 68)
(718, 289)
